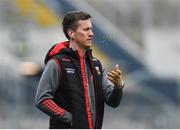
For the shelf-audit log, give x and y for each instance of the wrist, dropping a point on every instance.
(121, 85)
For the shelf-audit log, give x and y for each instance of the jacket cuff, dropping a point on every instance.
(121, 86)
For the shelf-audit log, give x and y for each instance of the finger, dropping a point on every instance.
(114, 79)
(115, 72)
(111, 79)
(119, 72)
(116, 76)
(111, 74)
(116, 67)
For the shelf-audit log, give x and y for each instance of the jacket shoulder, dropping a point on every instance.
(96, 60)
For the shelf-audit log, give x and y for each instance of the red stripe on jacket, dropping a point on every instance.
(52, 106)
(85, 91)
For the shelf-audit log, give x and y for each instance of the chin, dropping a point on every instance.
(88, 45)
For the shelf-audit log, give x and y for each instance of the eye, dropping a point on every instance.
(88, 29)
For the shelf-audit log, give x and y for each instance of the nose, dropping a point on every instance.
(91, 33)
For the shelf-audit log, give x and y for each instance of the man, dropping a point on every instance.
(74, 85)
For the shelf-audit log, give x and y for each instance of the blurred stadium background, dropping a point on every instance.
(143, 36)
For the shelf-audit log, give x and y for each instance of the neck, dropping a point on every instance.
(75, 46)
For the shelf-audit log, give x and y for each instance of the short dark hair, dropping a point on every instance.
(71, 18)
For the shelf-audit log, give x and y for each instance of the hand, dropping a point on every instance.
(115, 76)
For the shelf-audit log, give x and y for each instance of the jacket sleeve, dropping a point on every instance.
(112, 94)
(48, 84)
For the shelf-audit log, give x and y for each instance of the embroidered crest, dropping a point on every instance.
(65, 59)
(98, 70)
(70, 70)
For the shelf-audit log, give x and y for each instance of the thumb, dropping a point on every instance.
(116, 67)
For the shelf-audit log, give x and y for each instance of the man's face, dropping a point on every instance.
(83, 33)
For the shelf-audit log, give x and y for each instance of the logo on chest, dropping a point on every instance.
(98, 70)
(70, 70)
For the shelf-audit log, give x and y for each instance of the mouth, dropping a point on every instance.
(90, 39)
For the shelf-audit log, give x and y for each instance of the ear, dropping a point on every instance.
(71, 33)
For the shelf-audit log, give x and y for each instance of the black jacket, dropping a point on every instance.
(72, 95)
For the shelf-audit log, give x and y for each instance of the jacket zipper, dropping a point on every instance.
(82, 67)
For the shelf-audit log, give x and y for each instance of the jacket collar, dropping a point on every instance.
(63, 48)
